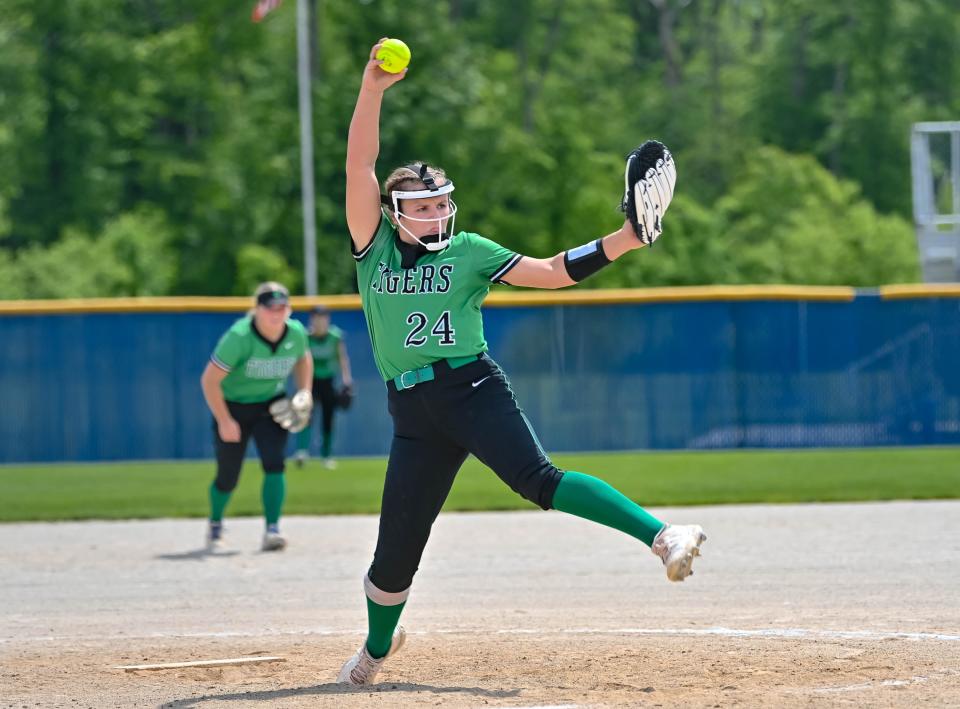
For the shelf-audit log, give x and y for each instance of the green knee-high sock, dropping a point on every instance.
(381, 622)
(273, 491)
(218, 502)
(591, 498)
(303, 440)
(327, 446)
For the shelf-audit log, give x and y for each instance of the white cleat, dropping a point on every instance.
(362, 669)
(677, 545)
(329, 464)
(214, 542)
(273, 541)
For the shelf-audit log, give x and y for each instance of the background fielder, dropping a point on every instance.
(244, 384)
(330, 359)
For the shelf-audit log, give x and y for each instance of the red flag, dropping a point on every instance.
(263, 8)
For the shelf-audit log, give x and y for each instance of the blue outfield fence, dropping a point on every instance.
(698, 374)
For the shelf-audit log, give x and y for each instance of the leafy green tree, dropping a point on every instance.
(142, 241)
(788, 220)
(74, 267)
(108, 106)
(257, 264)
(132, 257)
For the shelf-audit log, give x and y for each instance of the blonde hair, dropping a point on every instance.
(411, 173)
(267, 287)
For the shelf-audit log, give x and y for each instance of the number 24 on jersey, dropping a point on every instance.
(442, 329)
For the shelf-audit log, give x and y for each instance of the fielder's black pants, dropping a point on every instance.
(436, 424)
(323, 392)
(256, 422)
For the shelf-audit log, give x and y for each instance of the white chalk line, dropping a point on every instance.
(862, 686)
(774, 633)
(786, 633)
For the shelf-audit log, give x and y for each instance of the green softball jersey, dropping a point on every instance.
(257, 370)
(419, 315)
(326, 353)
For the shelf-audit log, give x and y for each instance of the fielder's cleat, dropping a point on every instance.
(329, 464)
(300, 457)
(677, 545)
(215, 537)
(273, 540)
(362, 669)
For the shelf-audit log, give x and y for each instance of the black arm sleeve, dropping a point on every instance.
(585, 260)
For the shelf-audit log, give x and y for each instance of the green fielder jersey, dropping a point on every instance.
(431, 311)
(326, 353)
(257, 370)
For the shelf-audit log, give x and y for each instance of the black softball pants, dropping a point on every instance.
(436, 424)
(324, 393)
(257, 423)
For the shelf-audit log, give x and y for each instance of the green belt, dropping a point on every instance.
(412, 377)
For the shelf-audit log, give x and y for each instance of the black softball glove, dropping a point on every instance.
(344, 397)
(649, 179)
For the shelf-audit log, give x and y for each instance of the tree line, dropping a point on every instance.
(150, 147)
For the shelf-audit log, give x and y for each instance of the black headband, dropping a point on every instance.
(273, 297)
(428, 179)
(423, 173)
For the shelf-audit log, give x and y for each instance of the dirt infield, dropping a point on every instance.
(814, 605)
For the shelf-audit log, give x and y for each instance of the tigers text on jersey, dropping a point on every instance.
(431, 311)
(257, 369)
(326, 353)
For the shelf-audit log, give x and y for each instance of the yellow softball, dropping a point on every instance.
(395, 55)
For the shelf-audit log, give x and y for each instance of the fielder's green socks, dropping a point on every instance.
(218, 502)
(303, 440)
(326, 446)
(591, 498)
(272, 494)
(381, 622)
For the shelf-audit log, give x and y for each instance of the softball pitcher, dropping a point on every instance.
(244, 384)
(421, 285)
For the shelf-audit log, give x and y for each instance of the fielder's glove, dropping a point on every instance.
(293, 414)
(345, 397)
(649, 179)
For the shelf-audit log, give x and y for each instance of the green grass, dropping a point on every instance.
(175, 489)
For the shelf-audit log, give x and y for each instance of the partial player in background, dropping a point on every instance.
(329, 352)
(421, 284)
(244, 384)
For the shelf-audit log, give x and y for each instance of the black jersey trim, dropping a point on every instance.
(498, 275)
(361, 254)
(274, 346)
(358, 255)
(221, 364)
